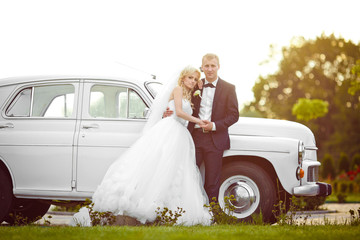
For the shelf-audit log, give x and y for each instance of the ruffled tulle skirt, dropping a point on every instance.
(158, 171)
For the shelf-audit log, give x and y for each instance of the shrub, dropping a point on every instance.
(313, 203)
(343, 187)
(223, 216)
(328, 169)
(167, 217)
(99, 218)
(355, 217)
(351, 187)
(344, 163)
(355, 161)
(335, 186)
(341, 197)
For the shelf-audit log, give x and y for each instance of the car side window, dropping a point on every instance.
(115, 102)
(20, 105)
(43, 101)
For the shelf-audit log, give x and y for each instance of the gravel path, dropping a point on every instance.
(329, 213)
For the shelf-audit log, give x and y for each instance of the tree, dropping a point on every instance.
(355, 82)
(315, 69)
(307, 109)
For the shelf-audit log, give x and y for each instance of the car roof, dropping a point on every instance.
(29, 79)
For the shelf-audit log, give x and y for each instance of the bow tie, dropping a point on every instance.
(209, 85)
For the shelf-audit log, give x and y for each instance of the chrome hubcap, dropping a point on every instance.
(246, 195)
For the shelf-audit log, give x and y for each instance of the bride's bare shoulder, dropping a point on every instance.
(178, 88)
(176, 91)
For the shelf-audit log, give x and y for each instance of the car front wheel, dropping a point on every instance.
(252, 188)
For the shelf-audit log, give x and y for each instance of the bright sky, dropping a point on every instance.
(161, 36)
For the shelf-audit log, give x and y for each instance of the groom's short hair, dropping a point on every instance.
(211, 56)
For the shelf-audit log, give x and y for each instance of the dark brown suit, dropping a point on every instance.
(210, 146)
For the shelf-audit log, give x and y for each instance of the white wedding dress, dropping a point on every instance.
(158, 170)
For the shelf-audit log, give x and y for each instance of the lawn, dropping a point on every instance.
(171, 233)
(350, 198)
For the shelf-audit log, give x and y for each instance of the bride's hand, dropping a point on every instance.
(203, 123)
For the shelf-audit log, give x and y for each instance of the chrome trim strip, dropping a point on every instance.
(31, 101)
(52, 195)
(306, 190)
(311, 148)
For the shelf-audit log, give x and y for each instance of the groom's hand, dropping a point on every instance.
(167, 113)
(208, 126)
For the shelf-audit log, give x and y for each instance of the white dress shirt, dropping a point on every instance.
(206, 103)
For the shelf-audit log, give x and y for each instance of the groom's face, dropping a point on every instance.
(210, 67)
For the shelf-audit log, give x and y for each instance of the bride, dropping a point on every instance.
(159, 169)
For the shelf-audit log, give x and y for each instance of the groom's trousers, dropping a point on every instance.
(207, 153)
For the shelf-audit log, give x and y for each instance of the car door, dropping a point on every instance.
(112, 119)
(38, 143)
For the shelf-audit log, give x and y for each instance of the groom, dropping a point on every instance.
(219, 106)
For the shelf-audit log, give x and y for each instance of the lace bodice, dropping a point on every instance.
(186, 106)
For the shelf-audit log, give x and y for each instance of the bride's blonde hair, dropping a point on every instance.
(186, 72)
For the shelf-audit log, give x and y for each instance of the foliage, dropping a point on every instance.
(327, 165)
(341, 197)
(355, 161)
(355, 83)
(99, 218)
(350, 175)
(222, 216)
(20, 220)
(346, 187)
(297, 205)
(167, 217)
(308, 109)
(315, 69)
(313, 203)
(281, 213)
(355, 217)
(67, 206)
(258, 219)
(344, 164)
(350, 197)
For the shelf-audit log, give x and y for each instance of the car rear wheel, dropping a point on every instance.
(6, 195)
(26, 211)
(252, 188)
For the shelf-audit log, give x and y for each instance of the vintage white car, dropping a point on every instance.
(59, 134)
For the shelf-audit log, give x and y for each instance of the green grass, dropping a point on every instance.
(351, 198)
(172, 233)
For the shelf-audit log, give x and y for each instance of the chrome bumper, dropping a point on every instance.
(318, 189)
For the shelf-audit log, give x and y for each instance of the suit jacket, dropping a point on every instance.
(225, 112)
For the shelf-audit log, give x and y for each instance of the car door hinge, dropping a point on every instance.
(73, 183)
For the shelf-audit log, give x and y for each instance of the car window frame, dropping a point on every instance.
(22, 86)
(144, 96)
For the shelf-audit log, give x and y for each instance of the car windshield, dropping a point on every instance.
(153, 88)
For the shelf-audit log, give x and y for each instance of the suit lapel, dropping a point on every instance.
(217, 95)
(197, 100)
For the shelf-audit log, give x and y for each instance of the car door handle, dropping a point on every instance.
(90, 126)
(7, 125)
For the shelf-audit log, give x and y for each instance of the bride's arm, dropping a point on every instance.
(178, 94)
